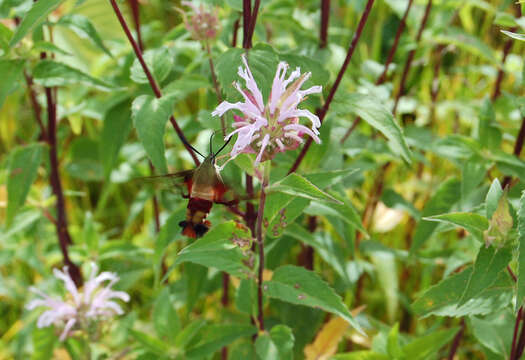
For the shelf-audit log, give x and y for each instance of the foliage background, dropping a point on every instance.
(461, 116)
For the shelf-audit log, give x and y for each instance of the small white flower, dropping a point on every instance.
(92, 303)
(267, 129)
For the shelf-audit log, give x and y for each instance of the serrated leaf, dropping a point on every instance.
(34, 17)
(50, 73)
(149, 342)
(443, 298)
(150, 116)
(299, 286)
(324, 179)
(11, 71)
(115, 130)
(473, 223)
(327, 340)
(296, 185)
(217, 249)
(374, 112)
(521, 251)
(489, 263)
(22, 172)
(83, 27)
(344, 211)
(281, 210)
(214, 337)
(165, 318)
(448, 193)
(495, 331)
(275, 345)
(159, 62)
(500, 223)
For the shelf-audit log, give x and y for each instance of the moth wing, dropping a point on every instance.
(171, 182)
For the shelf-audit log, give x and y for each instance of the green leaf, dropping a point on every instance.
(186, 85)
(34, 17)
(374, 112)
(464, 41)
(214, 337)
(159, 62)
(443, 299)
(149, 342)
(324, 179)
(296, 185)
(446, 195)
(495, 331)
(186, 336)
(41, 46)
(281, 210)
(500, 224)
(427, 345)
(276, 345)
(43, 343)
(116, 127)
(492, 199)
(217, 249)
(51, 73)
(473, 223)
(195, 277)
(489, 263)
(11, 71)
(473, 172)
(393, 348)
(150, 116)
(165, 318)
(299, 286)
(22, 170)
(521, 252)
(84, 29)
(167, 234)
(344, 211)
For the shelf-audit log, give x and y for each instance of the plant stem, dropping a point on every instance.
(323, 29)
(152, 81)
(235, 30)
(246, 15)
(134, 5)
(260, 244)
(322, 112)
(382, 78)
(457, 340)
(215, 84)
(513, 348)
(410, 58)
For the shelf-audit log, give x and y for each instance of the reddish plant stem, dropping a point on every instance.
(64, 238)
(260, 246)
(513, 348)
(36, 106)
(410, 58)
(521, 341)
(322, 112)
(235, 30)
(253, 20)
(382, 78)
(151, 79)
(323, 29)
(246, 16)
(134, 5)
(457, 340)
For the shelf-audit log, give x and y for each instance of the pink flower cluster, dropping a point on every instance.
(93, 303)
(267, 129)
(202, 24)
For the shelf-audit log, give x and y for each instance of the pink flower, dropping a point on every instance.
(267, 129)
(202, 24)
(80, 308)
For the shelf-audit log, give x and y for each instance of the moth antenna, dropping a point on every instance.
(190, 146)
(223, 146)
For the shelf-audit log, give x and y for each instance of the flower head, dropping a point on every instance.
(202, 24)
(80, 308)
(272, 127)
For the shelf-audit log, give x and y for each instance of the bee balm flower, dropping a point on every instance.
(80, 308)
(267, 129)
(202, 24)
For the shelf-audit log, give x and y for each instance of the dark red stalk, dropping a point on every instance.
(321, 113)
(253, 20)
(246, 16)
(235, 30)
(410, 58)
(513, 348)
(134, 5)
(457, 341)
(521, 341)
(390, 57)
(151, 79)
(518, 146)
(323, 29)
(64, 238)
(36, 106)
